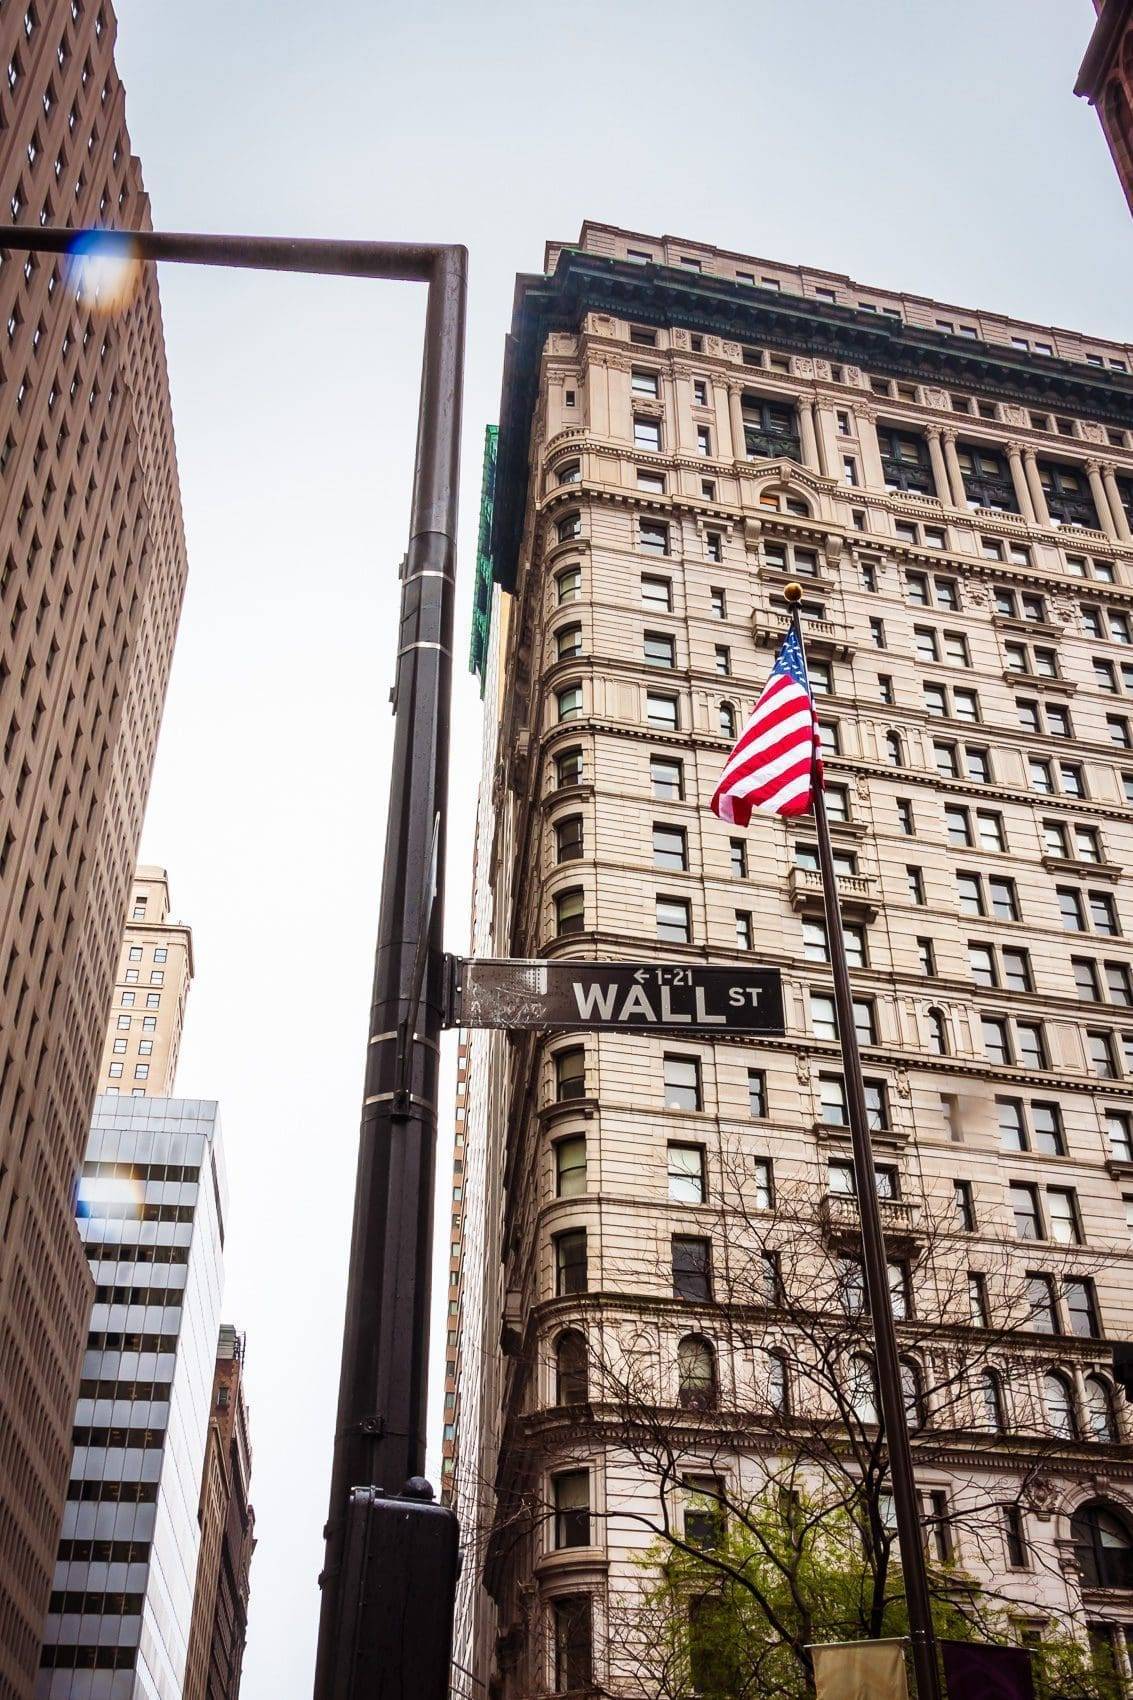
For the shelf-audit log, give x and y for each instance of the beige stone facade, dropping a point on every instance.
(954, 489)
(155, 969)
(92, 572)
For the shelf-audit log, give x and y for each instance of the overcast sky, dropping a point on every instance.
(915, 146)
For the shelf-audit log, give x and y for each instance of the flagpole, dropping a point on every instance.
(914, 1571)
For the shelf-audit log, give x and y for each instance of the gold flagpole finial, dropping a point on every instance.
(793, 593)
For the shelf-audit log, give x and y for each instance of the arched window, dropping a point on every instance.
(778, 1387)
(989, 1401)
(937, 1032)
(696, 1374)
(727, 720)
(1100, 1416)
(894, 749)
(912, 1392)
(861, 1390)
(1102, 1545)
(571, 1385)
(1058, 1397)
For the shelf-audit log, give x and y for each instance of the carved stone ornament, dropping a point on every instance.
(977, 593)
(680, 338)
(901, 1083)
(861, 785)
(833, 551)
(802, 367)
(1041, 1495)
(822, 370)
(935, 398)
(802, 1069)
(853, 375)
(1065, 609)
(731, 350)
(1013, 415)
(1092, 433)
(713, 344)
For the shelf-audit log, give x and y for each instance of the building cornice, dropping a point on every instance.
(660, 295)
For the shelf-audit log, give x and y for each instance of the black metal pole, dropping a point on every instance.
(922, 1637)
(380, 1431)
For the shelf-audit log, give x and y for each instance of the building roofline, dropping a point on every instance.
(1108, 29)
(663, 295)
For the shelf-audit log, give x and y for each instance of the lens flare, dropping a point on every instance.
(119, 1197)
(103, 271)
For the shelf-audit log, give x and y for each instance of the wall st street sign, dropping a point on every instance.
(634, 996)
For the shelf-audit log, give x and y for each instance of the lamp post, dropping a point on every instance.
(385, 1628)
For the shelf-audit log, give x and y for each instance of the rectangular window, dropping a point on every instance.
(832, 1100)
(692, 1267)
(1042, 1313)
(719, 603)
(661, 711)
(674, 923)
(653, 536)
(686, 1174)
(763, 1183)
(570, 1167)
(644, 383)
(744, 937)
(571, 1491)
(964, 1207)
(570, 1262)
(666, 778)
(756, 1093)
(568, 839)
(646, 433)
(1025, 1209)
(737, 855)
(670, 847)
(682, 1083)
(657, 593)
(1015, 1538)
(1081, 1308)
(1062, 1215)
(660, 649)
(573, 1638)
(570, 1073)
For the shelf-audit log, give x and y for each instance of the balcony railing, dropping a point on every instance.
(840, 1216)
(857, 891)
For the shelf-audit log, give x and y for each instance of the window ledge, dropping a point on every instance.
(572, 1560)
(1082, 870)
(1035, 682)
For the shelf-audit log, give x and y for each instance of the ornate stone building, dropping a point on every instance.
(684, 430)
(92, 571)
(1106, 81)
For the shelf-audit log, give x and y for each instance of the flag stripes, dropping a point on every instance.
(777, 758)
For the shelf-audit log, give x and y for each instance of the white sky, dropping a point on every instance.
(937, 149)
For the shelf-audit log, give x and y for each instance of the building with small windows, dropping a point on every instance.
(1106, 81)
(227, 1536)
(683, 431)
(92, 574)
(155, 969)
(151, 1209)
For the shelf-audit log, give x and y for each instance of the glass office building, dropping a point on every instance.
(151, 1207)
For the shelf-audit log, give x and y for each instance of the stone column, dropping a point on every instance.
(1101, 500)
(736, 415)
(936, 459)
(952, 462)
(806, 434)
(679, 406)
(827, 440)
(1038, 495)
(1018, 479)
(1117, 507)
(873, 475)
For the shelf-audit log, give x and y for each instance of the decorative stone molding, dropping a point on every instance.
(731, 350)
(1013, 415)
(1092, 433)
(679, 338)
(855, 377)
(936, 398)
(822, 371)
(801, 367)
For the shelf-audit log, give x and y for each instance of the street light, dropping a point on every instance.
(388, 1583)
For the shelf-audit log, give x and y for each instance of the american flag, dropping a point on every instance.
(777, 761)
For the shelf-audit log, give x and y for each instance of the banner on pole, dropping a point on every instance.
(860, 1670)
(976, 1672)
